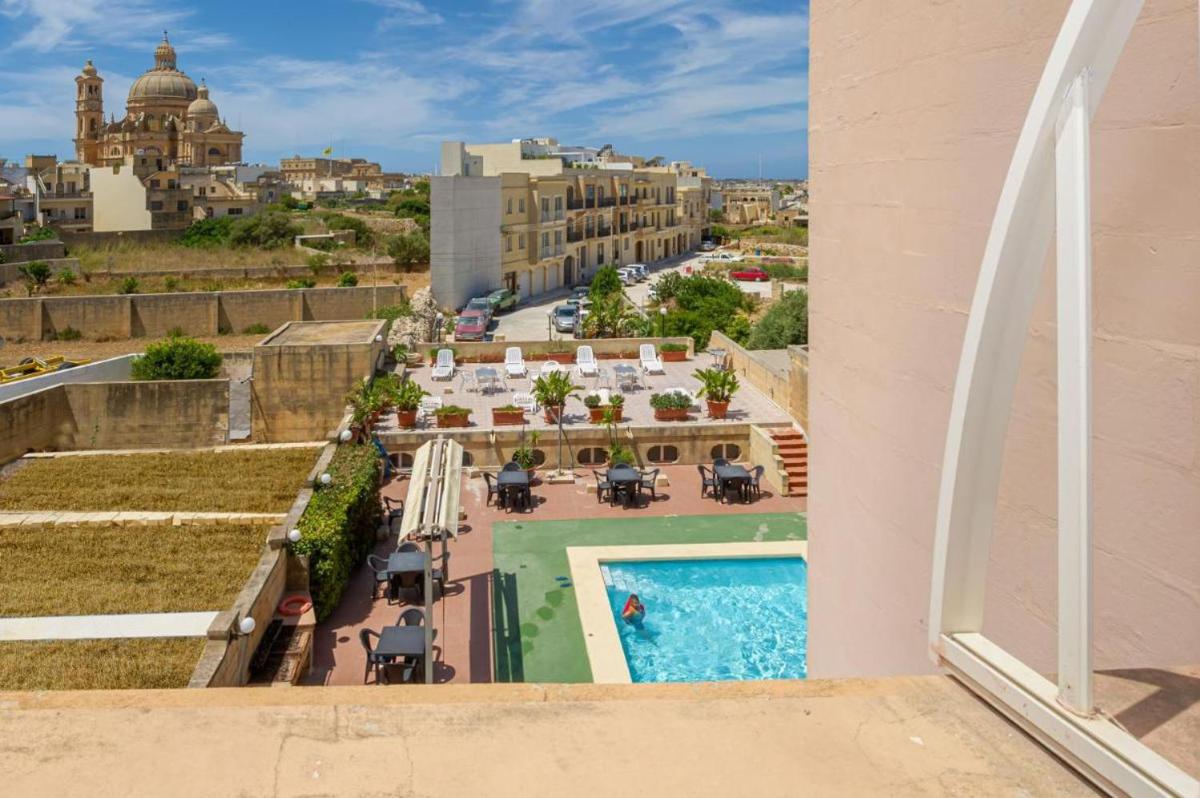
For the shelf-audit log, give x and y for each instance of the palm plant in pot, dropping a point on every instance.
(718, 388)
(407, 400)
(551, 390)
(524, 455)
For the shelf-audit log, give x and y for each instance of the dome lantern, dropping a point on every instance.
(164, 54)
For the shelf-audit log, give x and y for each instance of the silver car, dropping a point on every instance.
(565, 317)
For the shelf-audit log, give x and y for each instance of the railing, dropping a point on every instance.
(604, 231)
(574, 236)
(608, 202)
(590, 202)
(628, 201)
(575, 205)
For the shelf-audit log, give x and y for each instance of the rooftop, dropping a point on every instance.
(328, 333)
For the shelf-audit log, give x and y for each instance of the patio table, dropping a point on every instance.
(626, 376)
(718, 357)
(401, 641)
(488, 379)
(732, 473)
(406, 562)
(518, 481)
(624, 480)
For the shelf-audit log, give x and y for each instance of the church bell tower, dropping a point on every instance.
(89, 114)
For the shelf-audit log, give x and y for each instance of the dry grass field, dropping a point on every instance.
(99, 664)
(251, 481)
(99, 570)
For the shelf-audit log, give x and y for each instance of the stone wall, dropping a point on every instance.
(34, 250)
(797, 403)
(770, 380)
(196, 313)
(116, 415)
(10, 271)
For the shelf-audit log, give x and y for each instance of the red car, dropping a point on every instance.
(471, 326)
(753, 274)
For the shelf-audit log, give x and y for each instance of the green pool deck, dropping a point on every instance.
(536, 620)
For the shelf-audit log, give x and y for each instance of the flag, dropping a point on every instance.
(327, 151)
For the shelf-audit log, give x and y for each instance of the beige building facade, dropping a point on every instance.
(914, 119)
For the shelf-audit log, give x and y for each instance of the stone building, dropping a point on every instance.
(167, 116)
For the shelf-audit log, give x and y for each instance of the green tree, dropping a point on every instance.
(266, 231)
(364, 236)
(715, 215)
(205, 233)
(177, 358)
(785, 324)
(609, 317)
(409, 249)
(605, 283)
(35, 275)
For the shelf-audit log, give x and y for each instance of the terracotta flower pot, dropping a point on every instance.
(453, 420)
(406, 418)
(717, 409)
(670, 415)
(561, 358)
(500, 417)
(673, 356)
(596, 414)
(551, 413)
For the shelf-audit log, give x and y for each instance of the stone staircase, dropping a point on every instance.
(793, 451)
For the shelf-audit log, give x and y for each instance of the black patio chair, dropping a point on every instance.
(708, 481)
(755, 479)
(720, 461)
(408, 545)
(493, 492)
(379, 566)
(603, 486)
(392, 509)
(649, 478)
(511, 466)
(374, 660)
(413, 616)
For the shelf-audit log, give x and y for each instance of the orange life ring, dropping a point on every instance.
(294, 605)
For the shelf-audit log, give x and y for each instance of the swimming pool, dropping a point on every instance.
(713, 619)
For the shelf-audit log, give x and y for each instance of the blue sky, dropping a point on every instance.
(718, 82)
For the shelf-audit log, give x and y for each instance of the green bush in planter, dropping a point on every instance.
(338, 526)
(177, 358)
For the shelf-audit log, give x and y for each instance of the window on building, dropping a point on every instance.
(70, 187)
(521, 205)
(181, 206)
(546, 205)
(81, 213)
(234, 212)
(592, 455)
(726, 451)
(468, 459)
(521, 242)
(663, 455)
(508, 243)
(508, 209)
(599, 253)
(155, 205)
(155, 184)
(558, 203)
(626, 244)
(558, 238)
(545, 243)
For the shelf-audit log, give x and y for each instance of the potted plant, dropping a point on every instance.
(595, 409)
(407, 399)
(599, 413)
(508, 414)
(672, 353)
(524, 456)
(551, 390)
(619, 454)
(452, 416)
(670, 406)
(616, 402)
(718, 388)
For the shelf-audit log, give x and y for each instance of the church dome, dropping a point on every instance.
(202, 106)
(164, 82)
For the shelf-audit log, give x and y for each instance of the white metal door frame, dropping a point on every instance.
(1046, 189)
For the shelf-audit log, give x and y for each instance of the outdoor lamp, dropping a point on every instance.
(294, 535)
(326, 478)
(549, 327)
(662, 327)
(246, 625)
(378, 339)
(345, 436)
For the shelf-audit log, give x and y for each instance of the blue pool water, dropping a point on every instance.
(713, 620)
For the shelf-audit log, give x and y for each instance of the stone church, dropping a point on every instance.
(166, 116)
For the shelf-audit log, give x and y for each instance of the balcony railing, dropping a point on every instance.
(574, 236)
(608, 202)
(604, 231)
(575, 205)
(628, 201)
(590, 202)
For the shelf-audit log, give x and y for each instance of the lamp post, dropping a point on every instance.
(549, 325)
(662, 323)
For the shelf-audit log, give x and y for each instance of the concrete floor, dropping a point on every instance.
(917, 736)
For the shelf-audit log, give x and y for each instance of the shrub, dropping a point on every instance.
(170, 283)
(177, 358)
(408, 395)
(66, 277)
(591, 401)
(347, 280)
(670, 401)
(35, 275)
(670, 347)
(256, 329)
(38, 234)
(785, 271)
(409, 249)
(316, 262)
(338, 526)
(129, 285)
(786, 323)
(451, 410)
(703, 304)
(605, 283)
(266, 231)
(303, 282)
(364, 236)
(392, 312)
(68, 334)
(205, 233)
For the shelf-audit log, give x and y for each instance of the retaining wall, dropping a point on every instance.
(763, 375)
(196, 313)
(34, 250)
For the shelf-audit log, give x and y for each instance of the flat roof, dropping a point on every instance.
(318, 333)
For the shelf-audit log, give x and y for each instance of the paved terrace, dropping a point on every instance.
(464, 616)
(748, 404)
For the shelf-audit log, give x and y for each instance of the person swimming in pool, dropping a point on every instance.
(634, 611)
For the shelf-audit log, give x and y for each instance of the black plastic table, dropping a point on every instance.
(401, 641)
(406, 562)
(732, 473)
(518, 481)
(625, 480)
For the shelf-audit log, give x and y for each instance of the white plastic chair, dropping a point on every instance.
(650, 362)
(525, 401)
(428, 405)
(514, 362)
(444, 368)
(550, 367)
(585, 361)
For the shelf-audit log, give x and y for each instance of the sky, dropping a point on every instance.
(722, 83)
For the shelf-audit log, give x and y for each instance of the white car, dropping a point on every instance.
(639, 270)
(628, 277)
(707, 246)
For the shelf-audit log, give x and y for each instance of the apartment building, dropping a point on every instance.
(558, 223)
(742, 205)
(59, 193)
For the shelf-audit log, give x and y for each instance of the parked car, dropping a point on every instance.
(502, 299)
(581, 292)
(580, 302)
(639, 270)
(750, 273)
(471, 326)
(483, 305)
(565, 317)
(628, 277)
(707, 246)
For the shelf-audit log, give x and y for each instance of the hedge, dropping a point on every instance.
(338, 526)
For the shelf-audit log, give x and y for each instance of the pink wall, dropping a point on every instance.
(915, 110)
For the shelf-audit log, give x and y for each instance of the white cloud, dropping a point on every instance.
(47, 25)
(406, 12)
